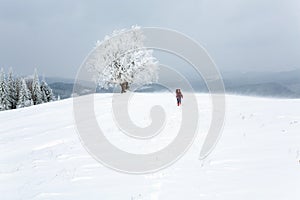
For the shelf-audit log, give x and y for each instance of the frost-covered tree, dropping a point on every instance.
(3, 91)
(18, 84)
(122, 59)
(46, 92)
(24, 96)
(12, 91)
(36, 93)
(15, 92)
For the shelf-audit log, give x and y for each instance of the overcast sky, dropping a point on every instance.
(56, 35)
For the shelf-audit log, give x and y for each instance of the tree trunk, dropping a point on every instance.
(124, 87)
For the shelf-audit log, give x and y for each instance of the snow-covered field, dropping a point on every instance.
(257, 157)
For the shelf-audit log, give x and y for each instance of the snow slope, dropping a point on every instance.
(256, 158)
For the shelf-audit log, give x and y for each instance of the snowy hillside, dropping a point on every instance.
(256, 158)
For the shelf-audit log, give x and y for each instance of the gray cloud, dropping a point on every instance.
(55, 36)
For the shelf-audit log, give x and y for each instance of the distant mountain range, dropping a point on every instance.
(284, 84)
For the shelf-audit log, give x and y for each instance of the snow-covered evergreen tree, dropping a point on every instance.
(46, 92)
(12, 93)
(121, 59)
(15, 92)
(3, 91)
(24, 96)
(18, 84)
(36, 93)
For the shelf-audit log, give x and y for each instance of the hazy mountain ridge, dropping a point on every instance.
(285, 84)
(271, 89)
(271, 84)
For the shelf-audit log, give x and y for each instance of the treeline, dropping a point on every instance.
(17, 92)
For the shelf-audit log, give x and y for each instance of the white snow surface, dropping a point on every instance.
(257, 156)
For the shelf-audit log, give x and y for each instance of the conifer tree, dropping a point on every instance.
(24, 96)
(36, 93)
(3, 91)
(46, 91)
(12, 94)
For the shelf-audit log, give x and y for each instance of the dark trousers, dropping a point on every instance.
(178, 101)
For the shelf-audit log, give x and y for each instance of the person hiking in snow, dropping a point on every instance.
(178, 97)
